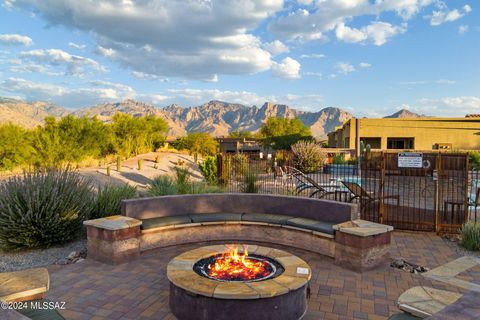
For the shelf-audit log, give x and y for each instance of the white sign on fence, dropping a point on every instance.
(410, 160)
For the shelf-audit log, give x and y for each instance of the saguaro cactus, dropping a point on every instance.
(119, 164)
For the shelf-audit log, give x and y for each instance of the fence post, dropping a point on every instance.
(381, 209)
(465, 198)
(436, 200)
(220, 169)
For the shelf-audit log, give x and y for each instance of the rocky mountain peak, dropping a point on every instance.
(405, 113)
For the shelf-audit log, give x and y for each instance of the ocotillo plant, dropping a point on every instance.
(119, 164)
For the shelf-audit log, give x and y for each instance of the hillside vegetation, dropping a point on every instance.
(72, 139)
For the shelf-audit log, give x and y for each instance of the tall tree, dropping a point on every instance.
(200, 143)
(15, 146)
(281, 133)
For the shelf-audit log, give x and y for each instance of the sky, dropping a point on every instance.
(368, 57)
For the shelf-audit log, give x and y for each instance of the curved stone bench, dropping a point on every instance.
(305, 223)
(308, 234)
(294, 221)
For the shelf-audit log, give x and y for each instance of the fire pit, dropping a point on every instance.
(238, 282)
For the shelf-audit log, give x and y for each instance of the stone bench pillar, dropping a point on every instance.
(113, 240)
(362, 245)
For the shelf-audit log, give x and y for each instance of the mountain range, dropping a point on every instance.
(215, 117)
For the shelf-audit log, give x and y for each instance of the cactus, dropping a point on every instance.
(140, 163)
(108, 171)
(368, 149)
(119, 164)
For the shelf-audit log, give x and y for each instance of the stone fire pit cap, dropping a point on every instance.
(180, 272)
(362, 228)
(114, 223)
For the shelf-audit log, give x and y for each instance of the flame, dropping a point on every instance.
(235, 265)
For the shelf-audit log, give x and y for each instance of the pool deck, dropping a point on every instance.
(140, 289)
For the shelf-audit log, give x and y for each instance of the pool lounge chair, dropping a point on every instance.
(304, 182)
(366, 198)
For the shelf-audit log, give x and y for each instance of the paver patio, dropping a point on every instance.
(140, 289)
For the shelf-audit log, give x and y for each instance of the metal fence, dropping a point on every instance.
(440, 196)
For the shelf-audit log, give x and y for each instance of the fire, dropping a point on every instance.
(234, 266)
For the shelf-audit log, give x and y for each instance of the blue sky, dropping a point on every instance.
(371, 58)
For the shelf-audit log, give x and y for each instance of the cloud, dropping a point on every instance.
(80, 47)
(74, 65)
(276, 47)
(312, 56)
(99, 91)
(15, 39)
(344, 68)
(64, 96)
(445, 81)
(106, 52)
(450, 106)
(347, 34)
(147, 76)
(462, 29)
(194, 97)
(316, 22)
(287, 69)
(377, 32)
(439, 17)
(192, 39)
(313, 74)
(364, 65)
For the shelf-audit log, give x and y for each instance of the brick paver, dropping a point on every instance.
(140, 290)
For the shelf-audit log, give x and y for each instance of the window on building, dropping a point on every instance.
(442, 146)
(347, 143)
(375, 143)
(400, 143)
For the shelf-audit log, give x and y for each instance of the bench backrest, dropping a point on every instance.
(324, 210)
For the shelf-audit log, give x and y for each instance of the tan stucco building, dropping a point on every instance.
(409, 133)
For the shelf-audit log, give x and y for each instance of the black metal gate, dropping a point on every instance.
(433, 197)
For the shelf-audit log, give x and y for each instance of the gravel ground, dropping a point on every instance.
(11, 261)
(454, 244)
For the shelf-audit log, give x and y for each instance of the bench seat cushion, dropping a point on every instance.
(214, 217)
(266, 218)
(164, 221)
(314, 225)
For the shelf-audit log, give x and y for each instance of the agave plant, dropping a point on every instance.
(43, 208)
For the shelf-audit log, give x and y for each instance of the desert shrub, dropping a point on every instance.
(183, 180)
(471, 236)
(161, 186)
(250, 183)
(208, 168)
(339, 158)
(43, 208)
(474, 160)
(308, 156)
(108, 199)
(202, 187)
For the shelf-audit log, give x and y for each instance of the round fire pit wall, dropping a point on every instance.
(196, 297)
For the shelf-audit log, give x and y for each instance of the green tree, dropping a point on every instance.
(241, 134)
(200, 143)
(15, 146)
(281, 133)
(133, 136)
